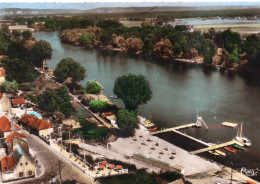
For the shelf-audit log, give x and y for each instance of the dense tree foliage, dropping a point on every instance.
(101, 106)
(252, 48)
(27, 34)
(134, 90)
(90, 131)
(9, 87)
(87, 39)
(19, 70)
(42, 50)
(126, 120)
(56, 24)
(54, 99)
(69, 68)
(17, 50)
(4, 43)
(93, 87)
(230, 39)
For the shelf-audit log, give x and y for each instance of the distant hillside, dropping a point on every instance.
(19, 11)
(165, 9)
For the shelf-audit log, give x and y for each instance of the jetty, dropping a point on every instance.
(198, 124)
(217, 146)
(175, 128)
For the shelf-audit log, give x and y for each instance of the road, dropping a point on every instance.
(47, 156)
(49, 159)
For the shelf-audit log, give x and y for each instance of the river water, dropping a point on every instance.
(179, 89)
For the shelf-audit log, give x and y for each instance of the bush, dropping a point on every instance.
(101, 106)
(89, 130)
(9, 87)
(52, 100)
(127, 120)
(27, 34)
(81, 91)
(27, 87)
(87, 39)
(93, 87)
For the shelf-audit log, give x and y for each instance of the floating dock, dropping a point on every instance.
(218, 146)
(230, 124)
(175, 128)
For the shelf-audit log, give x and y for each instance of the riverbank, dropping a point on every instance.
(193, 165)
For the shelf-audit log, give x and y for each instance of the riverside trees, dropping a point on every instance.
(134, 90)
(66, 68)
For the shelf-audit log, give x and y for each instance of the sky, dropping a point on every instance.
(90, 4)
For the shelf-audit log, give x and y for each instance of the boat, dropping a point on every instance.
(238, 146)
(153, 129)
(250, 182)
(114, 97)
(230, 149)
(245, 141)
(145, 122)
(230, 124)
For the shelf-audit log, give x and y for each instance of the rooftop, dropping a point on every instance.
(35, 122)
(10, 137)
(7, 163)
(4, 124)
(18, 101)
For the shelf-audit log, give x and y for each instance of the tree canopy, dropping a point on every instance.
(9, 87)
(87, 39)
(127, 120)
(69, 68)
(4, 43)
(27, 34)
(54, 99)
(134, 90)
(93, 87)
(42, 50)
(19, 70)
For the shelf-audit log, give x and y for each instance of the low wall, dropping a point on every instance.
(153, 162)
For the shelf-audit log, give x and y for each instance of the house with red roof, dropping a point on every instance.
(36, 126)
(17, 163)
(14, 140)
(6, 127)
(18, 102)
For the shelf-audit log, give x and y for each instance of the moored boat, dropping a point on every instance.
(230, 149)
(238, 146)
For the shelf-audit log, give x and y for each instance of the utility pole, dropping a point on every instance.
(60, 172)
(231, 172)
(69, 140)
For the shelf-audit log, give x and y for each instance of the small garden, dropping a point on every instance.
(90, 130)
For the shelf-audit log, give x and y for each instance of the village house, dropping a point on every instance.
(17, 163)
(18, 102)
(14, 140)
(36, 126)
(6, 127)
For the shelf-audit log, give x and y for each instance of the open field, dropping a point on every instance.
(245, 28)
